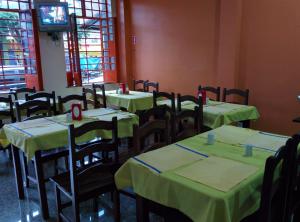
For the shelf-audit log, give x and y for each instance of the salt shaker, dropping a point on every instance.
(248, 150)
(210, 138)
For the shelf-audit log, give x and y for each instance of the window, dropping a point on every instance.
(17, 50)
(90, 51)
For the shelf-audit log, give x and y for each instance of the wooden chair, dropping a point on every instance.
(153, 85)
(244, 94)
(91, 97)
(101, 103)
(214, 90)
(70, 98)
(164, 95)
(136, 84)
(7, 114)
(293, 199)
(274, 190)
(162, 112)
(33, 109)
(187, 123)
(43, 95)
(82, 183)
(180, 99)
(17, 91)
(146, 131)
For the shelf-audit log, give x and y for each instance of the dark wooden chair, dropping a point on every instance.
(7, 113)
(180, 99)
(162, 112)
(137, 83)
(153, 85)
(82, 183)
(16, 91)
(214, 90)
(43, 95)
(164, 95)
(274, 190)
(33, 109)
(187, 123)
(293, 199)
(71, 98)
(141, 134)
(244, 94)
(37, 109)
(101, 103)
(91, 95)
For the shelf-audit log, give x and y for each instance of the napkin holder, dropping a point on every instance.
(76, 111)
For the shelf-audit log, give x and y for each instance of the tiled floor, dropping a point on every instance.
(14, 210)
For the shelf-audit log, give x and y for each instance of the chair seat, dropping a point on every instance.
(98, 182)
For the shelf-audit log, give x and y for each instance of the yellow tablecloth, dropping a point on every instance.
(205, 200)
(132, 102)
(52, 132)
(216, 114)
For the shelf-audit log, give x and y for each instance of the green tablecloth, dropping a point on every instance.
(216, 114)
(156, 176)
(132, 102)
(52, 132)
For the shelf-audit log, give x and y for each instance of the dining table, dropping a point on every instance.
(205, 180)
(45, 134)
(216, 114)
(132, 101)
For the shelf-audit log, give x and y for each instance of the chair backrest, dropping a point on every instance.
(78, 152)
(70, 98)
(162, 112)
(275, 190)
(150, 136)
(138, 85)
(17, 91)
(213, 90)
(8, 111)
(236, 92)
(43, 95)
(187, 123)
(293, 197)
(33, 109)
(180, 99)
(91, 97)
(101, 103)
(153, 85)
(164, 95)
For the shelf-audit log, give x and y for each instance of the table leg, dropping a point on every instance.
(142, 212)
(18, 171)
(41, 184)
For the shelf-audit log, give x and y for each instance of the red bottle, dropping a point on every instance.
(123, 87)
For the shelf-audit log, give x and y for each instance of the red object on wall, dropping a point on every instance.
(77, 79)
(69, 79)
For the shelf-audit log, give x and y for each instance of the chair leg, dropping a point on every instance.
(76, 210)
(117, 214)
(25, 170)
(55, 167)
(58, 203)
(66, 163)
(95, 205)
